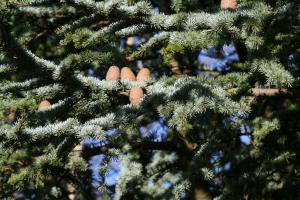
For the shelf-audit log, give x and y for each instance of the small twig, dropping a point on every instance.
(124, 93)
(38, 36)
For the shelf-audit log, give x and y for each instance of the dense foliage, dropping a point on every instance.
(61, 50)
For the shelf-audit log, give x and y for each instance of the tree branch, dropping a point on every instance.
(272, 92)
(146, 145)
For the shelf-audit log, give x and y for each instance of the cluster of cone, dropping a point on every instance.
(136, 93)
(228, 4)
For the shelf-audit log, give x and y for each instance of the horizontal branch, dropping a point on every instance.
(258, 92)
(146, 145)
(271, 92)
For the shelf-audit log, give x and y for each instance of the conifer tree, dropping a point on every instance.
(143, 59)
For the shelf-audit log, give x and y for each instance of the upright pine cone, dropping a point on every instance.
(127, 74)
(43, 105)
(136, 95)
(113, 73)
(143, 74)
(228, 4)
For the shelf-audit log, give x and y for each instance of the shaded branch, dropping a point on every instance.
(146, 145)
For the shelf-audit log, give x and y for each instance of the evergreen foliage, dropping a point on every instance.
(47, 48)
